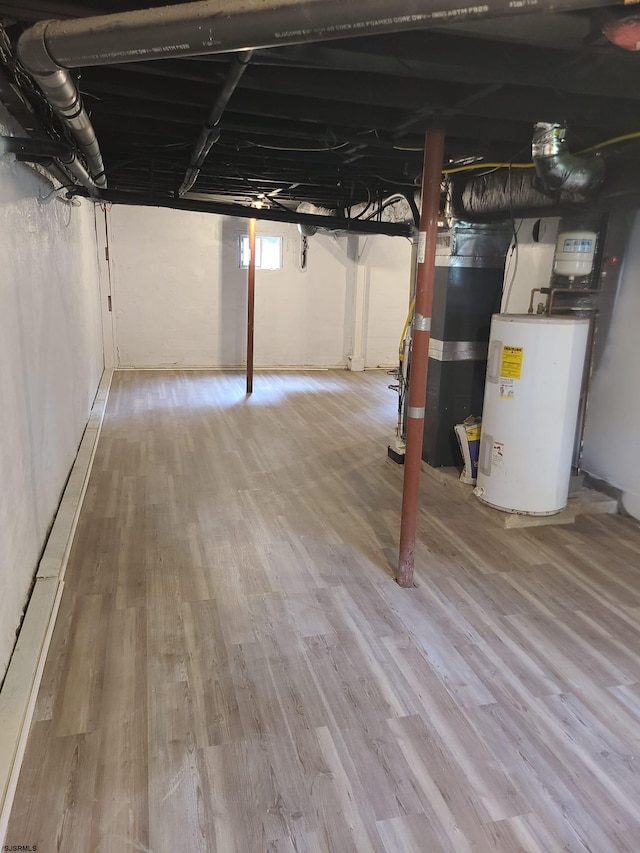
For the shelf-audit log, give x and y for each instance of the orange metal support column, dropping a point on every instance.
(431, 180)
(251, 295)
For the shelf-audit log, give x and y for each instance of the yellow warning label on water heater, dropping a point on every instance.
(511, 362)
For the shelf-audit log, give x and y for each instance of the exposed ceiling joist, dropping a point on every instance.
(357, 109)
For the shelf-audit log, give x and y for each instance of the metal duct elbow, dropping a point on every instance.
(58, 87)
(562, 173)
(307, 207)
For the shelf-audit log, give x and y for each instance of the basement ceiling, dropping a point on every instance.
(343, 122)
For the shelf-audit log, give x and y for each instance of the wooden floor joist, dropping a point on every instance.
(234, 668)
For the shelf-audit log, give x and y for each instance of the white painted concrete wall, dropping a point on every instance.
(388, 269)
(301, 315)
(50, 366)
(613, 415)
(529, 266)
(180, 298)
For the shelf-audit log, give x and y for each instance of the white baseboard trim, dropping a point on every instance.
(238, 368)
(22, 681)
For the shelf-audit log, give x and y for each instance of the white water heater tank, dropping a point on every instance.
(531, 401)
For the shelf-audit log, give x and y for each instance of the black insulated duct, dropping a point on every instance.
(576, 176)
(500, 195)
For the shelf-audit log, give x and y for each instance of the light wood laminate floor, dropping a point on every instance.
(233, 668)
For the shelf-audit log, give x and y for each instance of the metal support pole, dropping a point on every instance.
(251, 293)
(431, 180)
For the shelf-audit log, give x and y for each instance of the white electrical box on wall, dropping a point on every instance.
(531, 400)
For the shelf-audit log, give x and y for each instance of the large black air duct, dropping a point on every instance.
(500, 195)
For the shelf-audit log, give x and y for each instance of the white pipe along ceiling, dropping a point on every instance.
(342, 118)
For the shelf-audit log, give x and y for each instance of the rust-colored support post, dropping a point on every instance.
(431, 180)
(251, 299)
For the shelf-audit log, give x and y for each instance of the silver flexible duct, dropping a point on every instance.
(561, 172)
(61, 92)
(560, 178)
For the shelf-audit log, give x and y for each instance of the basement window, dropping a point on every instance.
(268, 252)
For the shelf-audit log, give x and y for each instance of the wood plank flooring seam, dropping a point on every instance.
(234, 669)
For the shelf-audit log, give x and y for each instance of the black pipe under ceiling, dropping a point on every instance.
(221, 26)
(210, 133)
(332, 223)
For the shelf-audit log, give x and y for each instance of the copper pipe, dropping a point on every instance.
(431, 179)
(534, 290)
(251, 294)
